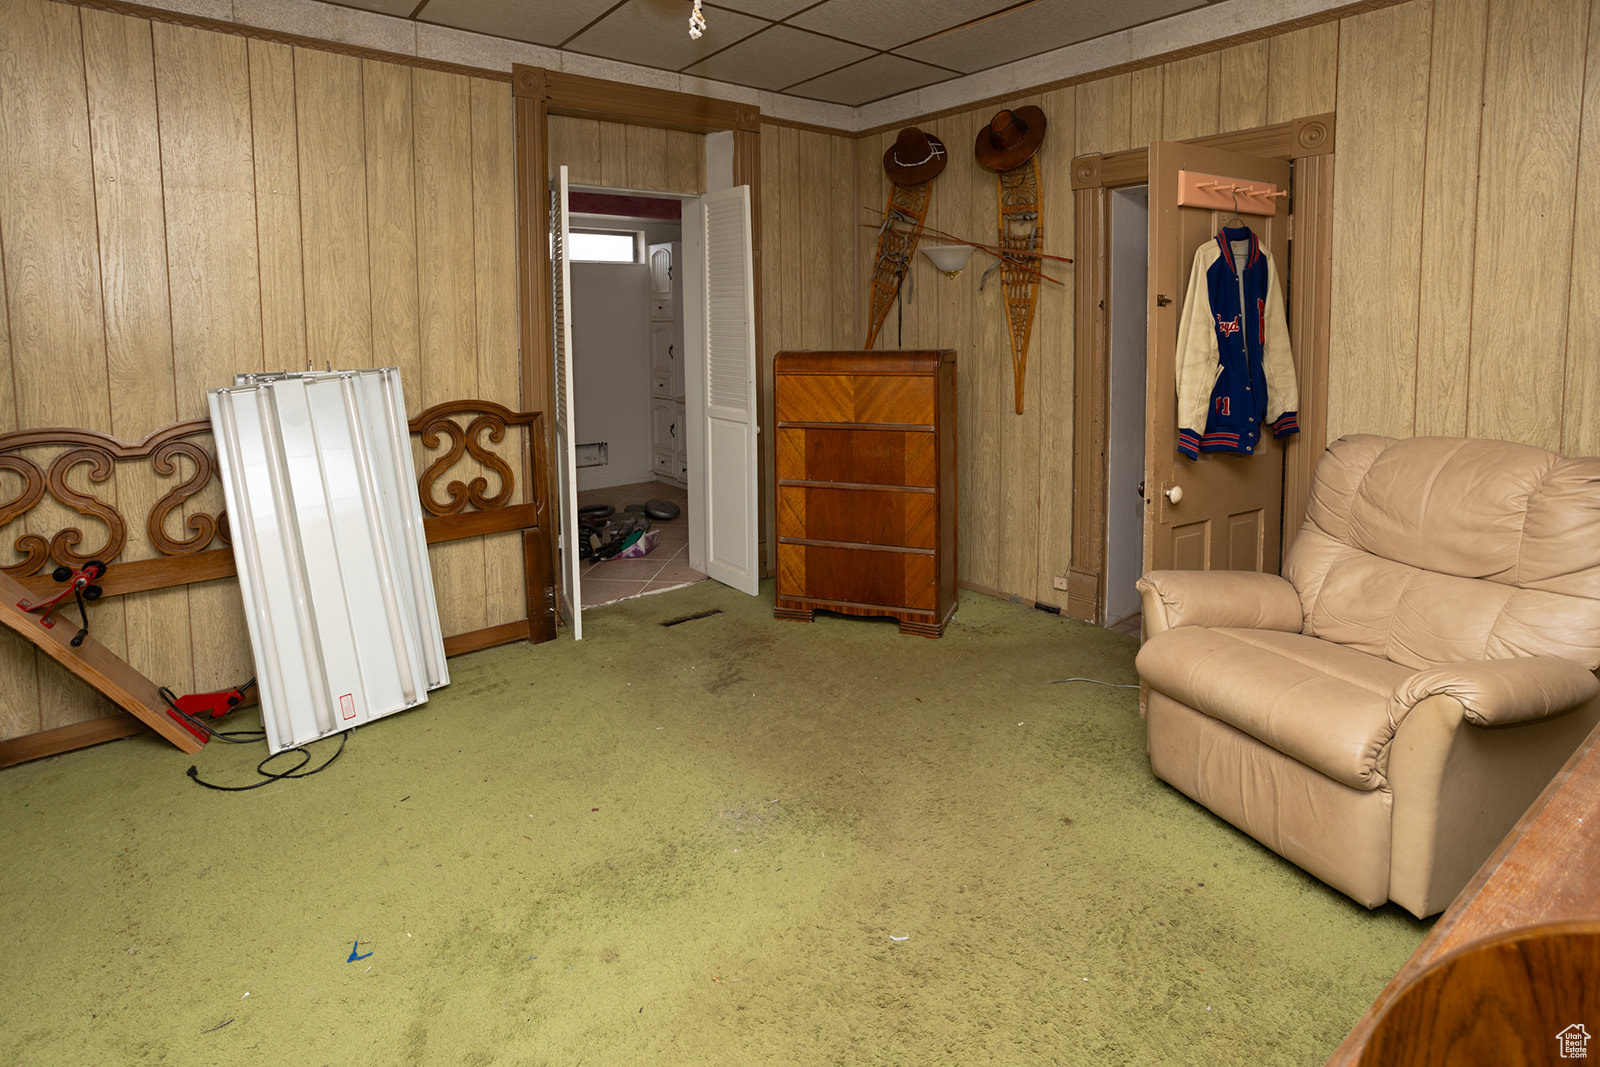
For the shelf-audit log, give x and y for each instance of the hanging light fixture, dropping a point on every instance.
(697, 22)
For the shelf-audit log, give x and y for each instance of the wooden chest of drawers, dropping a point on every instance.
(867, 485)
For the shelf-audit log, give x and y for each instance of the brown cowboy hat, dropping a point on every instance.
(915, 157)
(1011, 138)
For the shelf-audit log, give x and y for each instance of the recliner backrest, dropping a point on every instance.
(1431, 550)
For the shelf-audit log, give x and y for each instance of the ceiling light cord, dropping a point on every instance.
(697, 22)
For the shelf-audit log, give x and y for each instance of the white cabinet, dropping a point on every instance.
(669, 457)
(668, 452)
(663, 257)
(666, 366)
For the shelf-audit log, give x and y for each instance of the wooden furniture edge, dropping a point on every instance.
(487, 637)
(167, 572)
(1507, 892)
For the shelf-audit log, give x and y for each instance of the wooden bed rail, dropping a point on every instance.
(474, 453)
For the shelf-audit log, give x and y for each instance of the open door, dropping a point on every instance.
(719, 332)
(1222, 511)
(566, 459)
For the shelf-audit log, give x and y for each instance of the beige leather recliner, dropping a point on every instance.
(1383, 713)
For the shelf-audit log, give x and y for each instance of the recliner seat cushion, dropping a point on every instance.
(1322, 704)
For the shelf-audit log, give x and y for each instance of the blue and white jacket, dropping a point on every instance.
(1235, 370)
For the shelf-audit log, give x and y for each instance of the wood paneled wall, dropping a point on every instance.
(808, 280)
(615, 155)
(1016, 491)
(1466, 285)
(1466, 274)
(1014, 471)
(178, 205)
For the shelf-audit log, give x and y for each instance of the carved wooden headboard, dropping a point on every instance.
(473, 455)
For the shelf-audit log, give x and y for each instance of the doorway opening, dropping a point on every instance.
(629, 394)
(718, 456)
(720, 324)
(1106, 193)
(1124, 549)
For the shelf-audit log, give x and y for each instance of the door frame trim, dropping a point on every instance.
(540, 93)
(1308, 143)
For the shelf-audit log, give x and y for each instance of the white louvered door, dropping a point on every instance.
(566, 456)
(719, 327)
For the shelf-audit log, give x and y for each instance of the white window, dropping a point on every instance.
(605, 246)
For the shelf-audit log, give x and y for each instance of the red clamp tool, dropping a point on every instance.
(80, 586)
(184, 709)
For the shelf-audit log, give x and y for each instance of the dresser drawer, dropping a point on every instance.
(858, 577)
(865, 457)
(859, 516)
(859, 398)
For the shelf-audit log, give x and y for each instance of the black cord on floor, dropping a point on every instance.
(249, 737)
(276, 776)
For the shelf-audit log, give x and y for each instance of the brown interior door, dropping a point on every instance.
(1222, 511)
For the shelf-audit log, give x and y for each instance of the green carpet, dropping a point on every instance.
(729, 841)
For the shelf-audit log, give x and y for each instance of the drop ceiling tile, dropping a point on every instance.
(656, 35)
(767, 9)
(1039, 27)
(871, 79)
(537, 23)
(890, 23)
(777, 58)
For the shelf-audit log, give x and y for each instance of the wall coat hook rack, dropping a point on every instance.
(1196, 189)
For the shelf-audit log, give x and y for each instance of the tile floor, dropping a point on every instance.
(667, 567)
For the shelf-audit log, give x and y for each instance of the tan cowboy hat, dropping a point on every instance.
(915, 157)
(1011, 138)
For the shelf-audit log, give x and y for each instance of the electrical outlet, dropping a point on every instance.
(1060, 582)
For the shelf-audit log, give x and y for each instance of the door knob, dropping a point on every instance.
(1174, 493)
(1140, 490)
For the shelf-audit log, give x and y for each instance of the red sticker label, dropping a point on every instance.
(347, 705)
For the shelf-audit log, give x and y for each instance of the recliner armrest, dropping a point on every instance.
(1501, 691)
(1245, 599)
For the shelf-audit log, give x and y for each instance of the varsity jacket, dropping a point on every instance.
(1235, 370)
